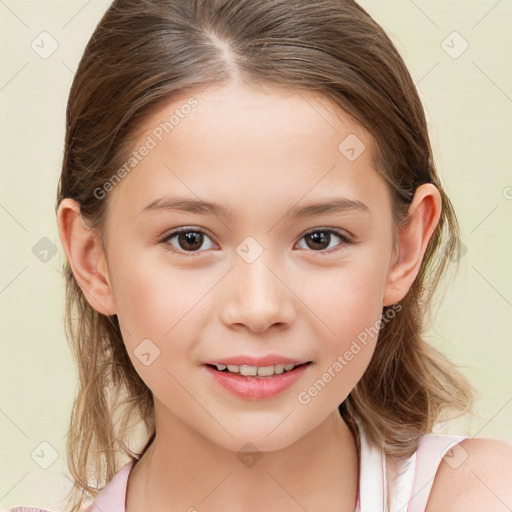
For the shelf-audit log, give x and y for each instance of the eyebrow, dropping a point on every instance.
(199, 207)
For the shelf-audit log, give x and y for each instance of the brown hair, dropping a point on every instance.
(142, 53)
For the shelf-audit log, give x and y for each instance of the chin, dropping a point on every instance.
(257, 439)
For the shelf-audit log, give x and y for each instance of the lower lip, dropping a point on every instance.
(257, 388)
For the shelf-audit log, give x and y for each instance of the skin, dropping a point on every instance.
(482, 482)
(261, 154)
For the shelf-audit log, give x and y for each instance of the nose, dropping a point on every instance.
(257, 296)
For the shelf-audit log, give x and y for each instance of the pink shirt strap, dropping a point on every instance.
(113, 497)
(429, 454)
(27, 509)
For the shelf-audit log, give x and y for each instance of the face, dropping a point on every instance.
(264, 280)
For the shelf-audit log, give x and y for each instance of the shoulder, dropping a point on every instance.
(475, 475)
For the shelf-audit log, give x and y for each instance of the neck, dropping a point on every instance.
(184, 471)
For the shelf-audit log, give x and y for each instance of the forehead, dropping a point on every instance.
(245, 146)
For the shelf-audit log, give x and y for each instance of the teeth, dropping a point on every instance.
(264, 371)
(279, 368)
(248, 370)
(261, 371)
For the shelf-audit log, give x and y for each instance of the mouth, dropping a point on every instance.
(256, 382)
(258, 372)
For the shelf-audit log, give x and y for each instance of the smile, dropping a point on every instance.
(253, 371)
(248, 382)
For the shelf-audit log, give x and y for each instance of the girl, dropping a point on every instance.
(254, 230)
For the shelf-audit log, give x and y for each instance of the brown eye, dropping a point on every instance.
(320, 240)
(190, 240)
(187, 240)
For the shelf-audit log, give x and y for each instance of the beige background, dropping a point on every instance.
(469, 106)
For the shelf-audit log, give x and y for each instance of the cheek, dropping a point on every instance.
(348, 298)
(153, 300)
(348, 304)
(155, 307)
(166, 304)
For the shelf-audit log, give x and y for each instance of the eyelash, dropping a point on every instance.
(344, 238)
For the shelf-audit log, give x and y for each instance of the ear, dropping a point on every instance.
(423, 216)
(86, 257)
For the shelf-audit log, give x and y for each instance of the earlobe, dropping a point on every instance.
(423, 216)
(86, 257)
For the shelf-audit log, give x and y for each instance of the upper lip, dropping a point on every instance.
(268, 360)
